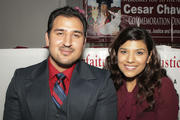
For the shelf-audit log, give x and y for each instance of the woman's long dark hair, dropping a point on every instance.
(150, 77)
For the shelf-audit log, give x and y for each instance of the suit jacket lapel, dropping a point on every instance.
(38, 91)
(80, 91)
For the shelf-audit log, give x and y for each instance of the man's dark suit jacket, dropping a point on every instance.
(91, 96)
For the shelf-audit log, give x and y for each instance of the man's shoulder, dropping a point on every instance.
(31, 68)
(94, 68)
(98, 72)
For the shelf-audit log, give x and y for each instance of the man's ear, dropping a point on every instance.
(84, 44)
(85, 41)
(47, 39)
(149, 58)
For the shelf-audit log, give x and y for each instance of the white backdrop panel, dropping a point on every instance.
(12, 59)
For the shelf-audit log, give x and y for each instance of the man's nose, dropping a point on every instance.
(68, 40)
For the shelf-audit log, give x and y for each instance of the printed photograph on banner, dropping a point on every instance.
(103, 16)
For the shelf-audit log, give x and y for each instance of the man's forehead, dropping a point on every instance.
(62, 29)
(67, 23)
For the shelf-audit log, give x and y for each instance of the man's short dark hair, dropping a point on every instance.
(67, 12)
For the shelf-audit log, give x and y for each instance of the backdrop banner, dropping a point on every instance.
(161, 18)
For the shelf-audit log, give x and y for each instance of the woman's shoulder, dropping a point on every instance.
(167, 100)
(166, 82)
(167, 87)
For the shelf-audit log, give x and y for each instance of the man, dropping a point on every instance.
(79, 92)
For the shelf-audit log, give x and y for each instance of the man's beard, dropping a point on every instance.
(64, 65)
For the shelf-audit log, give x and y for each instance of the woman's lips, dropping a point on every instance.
(130, 67)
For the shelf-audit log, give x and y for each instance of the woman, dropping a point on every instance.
(143, 89)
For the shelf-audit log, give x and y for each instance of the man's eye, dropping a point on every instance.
(76, 36)
(59, 33)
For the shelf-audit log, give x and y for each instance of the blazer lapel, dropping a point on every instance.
(37, 93)
(80, 91)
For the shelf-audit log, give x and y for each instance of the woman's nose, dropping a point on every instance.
(131, 58)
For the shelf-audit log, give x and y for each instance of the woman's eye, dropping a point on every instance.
(139, 53)
(123, 52)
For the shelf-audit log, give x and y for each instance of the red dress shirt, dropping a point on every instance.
(52, 76)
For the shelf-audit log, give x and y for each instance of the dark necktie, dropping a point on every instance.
(58, 94)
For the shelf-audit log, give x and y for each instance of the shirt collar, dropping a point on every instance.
(53, 71)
